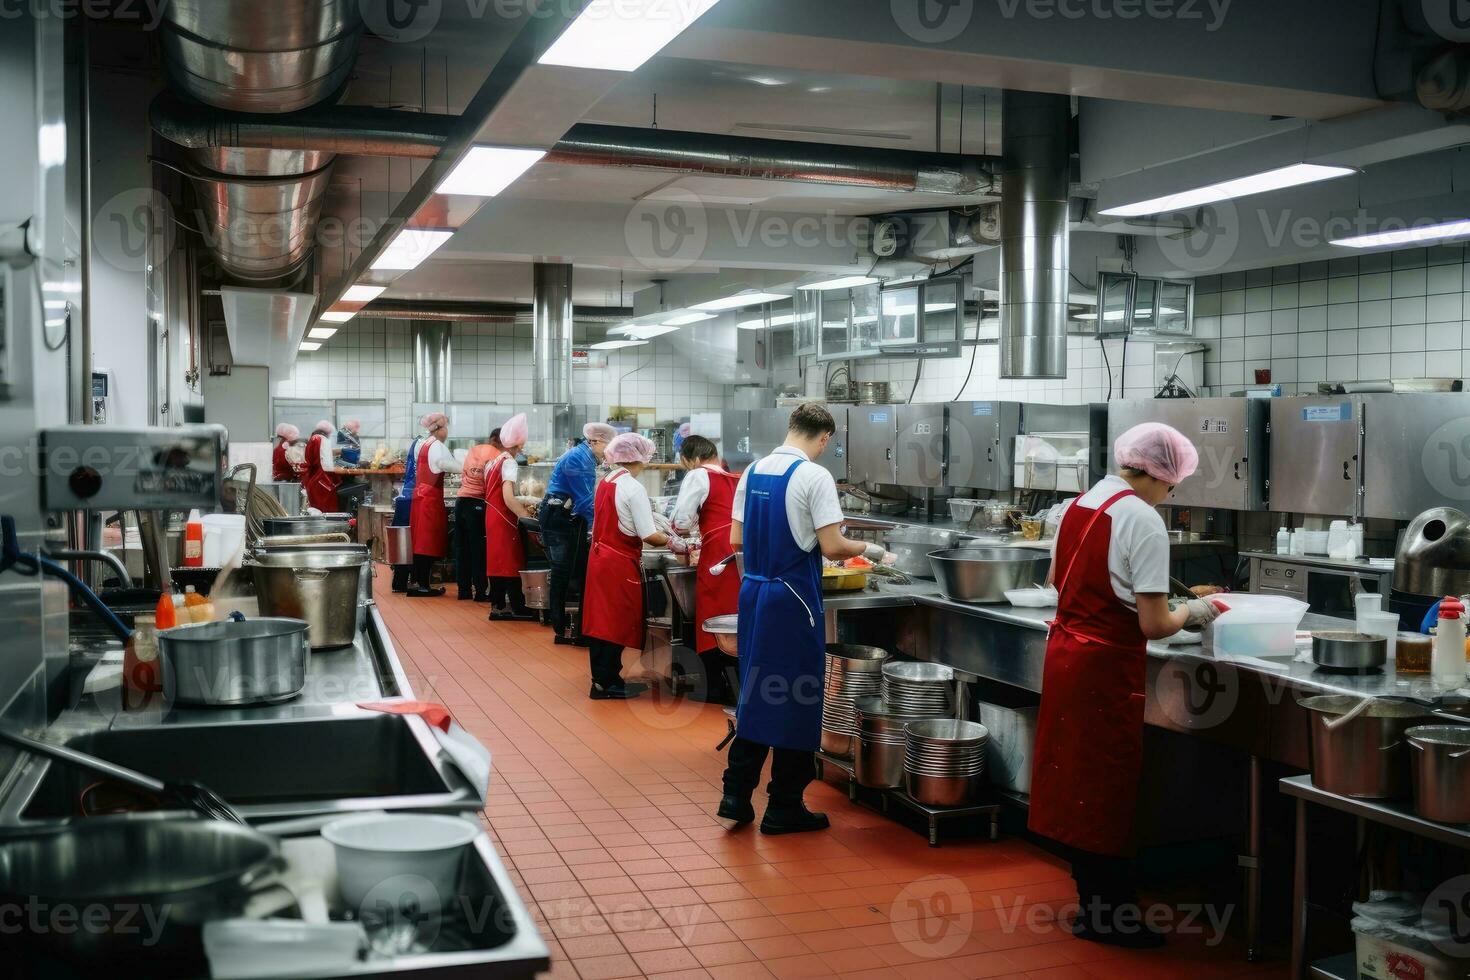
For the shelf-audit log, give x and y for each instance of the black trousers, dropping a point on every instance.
(423, 570)
(791, 771)
(606, 661)
(507, 590)
(1105, 884)
(564, 538)
(469, 533)
(401, 574)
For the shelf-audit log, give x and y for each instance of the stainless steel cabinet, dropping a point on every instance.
(920, 446)
(735, 439)
(982, 438)
(1230, 435)
(1316, 447)
(1416, 453)
(872, 431)
(766, 428)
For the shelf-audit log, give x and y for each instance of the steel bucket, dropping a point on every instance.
(1365, 757)
(398, 545)
(535, 586)
(321, 586)
(1441, 758)
(258, 661)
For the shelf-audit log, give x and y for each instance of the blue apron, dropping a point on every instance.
(782, 631)
(351, 448)
(403, 503)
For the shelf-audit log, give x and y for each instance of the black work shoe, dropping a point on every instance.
(482, 598)
(564, 641)
(1134, 936)
(734, 812)
(616, 693)
(789, 821)
(465, 597)
(424, 593)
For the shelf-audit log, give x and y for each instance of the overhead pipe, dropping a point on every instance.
(551, 333)
(1035, 182)
(433, 362)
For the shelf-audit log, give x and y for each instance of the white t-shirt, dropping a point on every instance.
(693, 492)
(510, 471)
(635, 510)
(328, 458)
(1138, 552)
(811, 496)
(441, 459)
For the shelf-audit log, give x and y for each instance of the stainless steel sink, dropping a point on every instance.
(269, 769)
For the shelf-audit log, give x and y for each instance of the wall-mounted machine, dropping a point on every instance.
(1230, 435)
(94, 467)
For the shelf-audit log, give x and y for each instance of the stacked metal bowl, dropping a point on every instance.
(852, 672)
(944, 761)
(919, 689)
(878, 762)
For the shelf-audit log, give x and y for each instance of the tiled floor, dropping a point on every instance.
(603, 811)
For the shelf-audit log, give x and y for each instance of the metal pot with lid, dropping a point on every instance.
(1433, 557)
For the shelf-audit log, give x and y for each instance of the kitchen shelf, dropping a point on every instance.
(1390, 813)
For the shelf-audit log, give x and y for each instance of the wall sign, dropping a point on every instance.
(1328, 413)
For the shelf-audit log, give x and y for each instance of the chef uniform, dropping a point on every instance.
(320, 481)
(784, 499)
(428, 516)
(281, 469)
(469, 521)
(505, 549)
(705, 498)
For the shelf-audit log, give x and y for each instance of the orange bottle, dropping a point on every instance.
(194, 604)
(140, 660)
(194, 541)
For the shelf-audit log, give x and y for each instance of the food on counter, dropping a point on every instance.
(1204, 591)
(858, 562)
(1412, 652)
(836, 578)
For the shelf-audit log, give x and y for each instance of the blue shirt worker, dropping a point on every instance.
(565, 516)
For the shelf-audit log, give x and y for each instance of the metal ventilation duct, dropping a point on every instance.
(265, 326)
(551, 334)
(1035, 175)
(433, 361)
(260, 228)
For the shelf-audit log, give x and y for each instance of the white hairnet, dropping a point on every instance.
(598, 430)
(288, 432)
(1161, 451)
(630, 447)
(353, 426)
(433, 421)
(323, 428)
(515, 432)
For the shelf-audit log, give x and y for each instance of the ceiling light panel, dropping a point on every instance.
(362, 294)
(1269, 180)
(485, 171)
(739, 301)
(620, 35)
(410, 247)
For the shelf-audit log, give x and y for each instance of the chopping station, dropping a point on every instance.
(734, 489)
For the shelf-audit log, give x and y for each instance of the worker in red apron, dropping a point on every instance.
(505, 550)
(281, 469)
(1111, 571)
(428, 518)
(319, 480)
(787, 519)
(704, 501)
(612, 605)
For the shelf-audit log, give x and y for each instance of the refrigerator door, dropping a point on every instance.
(920, 445)
(1416, 453)
(872, 431)
(981, 442)
(1315, 455)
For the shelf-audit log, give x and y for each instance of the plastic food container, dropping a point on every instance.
(1384, 624)
(1412, 652)
(410, 860)
(1257, 625)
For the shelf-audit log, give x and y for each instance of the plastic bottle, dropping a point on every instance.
(195, 605)
(1447, 661)
(141, 675)
(194, 540)
(1283, 542)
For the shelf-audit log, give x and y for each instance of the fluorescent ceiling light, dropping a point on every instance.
(843, 282)
(1457, 228)
(1270, 180)
(617, 344)
(307, 345)
(683, 319)
(322, 333)
(1084, 316)
(362, 294)
(620, 35)
(485, 171)
(410, 247)
(649, 331)
(740, 301)
(338, 316)
(776, 321)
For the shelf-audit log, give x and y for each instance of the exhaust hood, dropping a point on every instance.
(265, 326)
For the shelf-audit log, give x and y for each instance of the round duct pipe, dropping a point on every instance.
(551, 333)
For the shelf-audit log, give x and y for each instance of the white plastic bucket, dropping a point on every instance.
(1257, 625)
(409, 861)
(224, 537)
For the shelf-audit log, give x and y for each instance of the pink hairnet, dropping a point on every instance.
(630, 447)
(433, 421)
(598, 430)
(684, 431)
(353, 426)
(323, 427)
(1161, 451)
(515, 431)
(288, 432)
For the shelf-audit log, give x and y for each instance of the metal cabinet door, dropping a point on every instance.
(871, 433)
(1229, 434)
(981, 444)
(735, 439)
(920, 446)
(835, 458)
(767, 429)
(1416, 453)
(1315, 465)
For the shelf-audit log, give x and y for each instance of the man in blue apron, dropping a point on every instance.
(786, 518)
(402, 504)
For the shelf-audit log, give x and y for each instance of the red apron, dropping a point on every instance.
(715, 595)
(321, 485)
(1089, 732)
(505, 555)
(427, 519)
(281, 469)
(612, 600)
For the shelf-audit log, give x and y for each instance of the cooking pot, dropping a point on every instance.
(255, 661)
(1362, 756)
(1344, 650)
(157, 879)
(320, 585)
(306, 524)
(1441, 758)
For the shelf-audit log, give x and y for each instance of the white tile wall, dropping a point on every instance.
(372, 358)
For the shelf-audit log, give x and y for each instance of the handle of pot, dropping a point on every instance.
(310, 574)
(1349, 715)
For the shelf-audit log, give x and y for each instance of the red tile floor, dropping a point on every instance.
(603, 811)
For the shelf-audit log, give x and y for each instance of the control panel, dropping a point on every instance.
(100, 467)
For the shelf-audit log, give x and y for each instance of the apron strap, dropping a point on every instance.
(1067, 572)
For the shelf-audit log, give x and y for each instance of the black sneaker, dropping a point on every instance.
(617, 693)
(563, 641)
(1135, 936)
(792, 821)
(482, 598)
(424, 593)
(734, 812)
(465, 597)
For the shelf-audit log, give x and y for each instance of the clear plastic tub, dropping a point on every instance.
(1257, 625)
